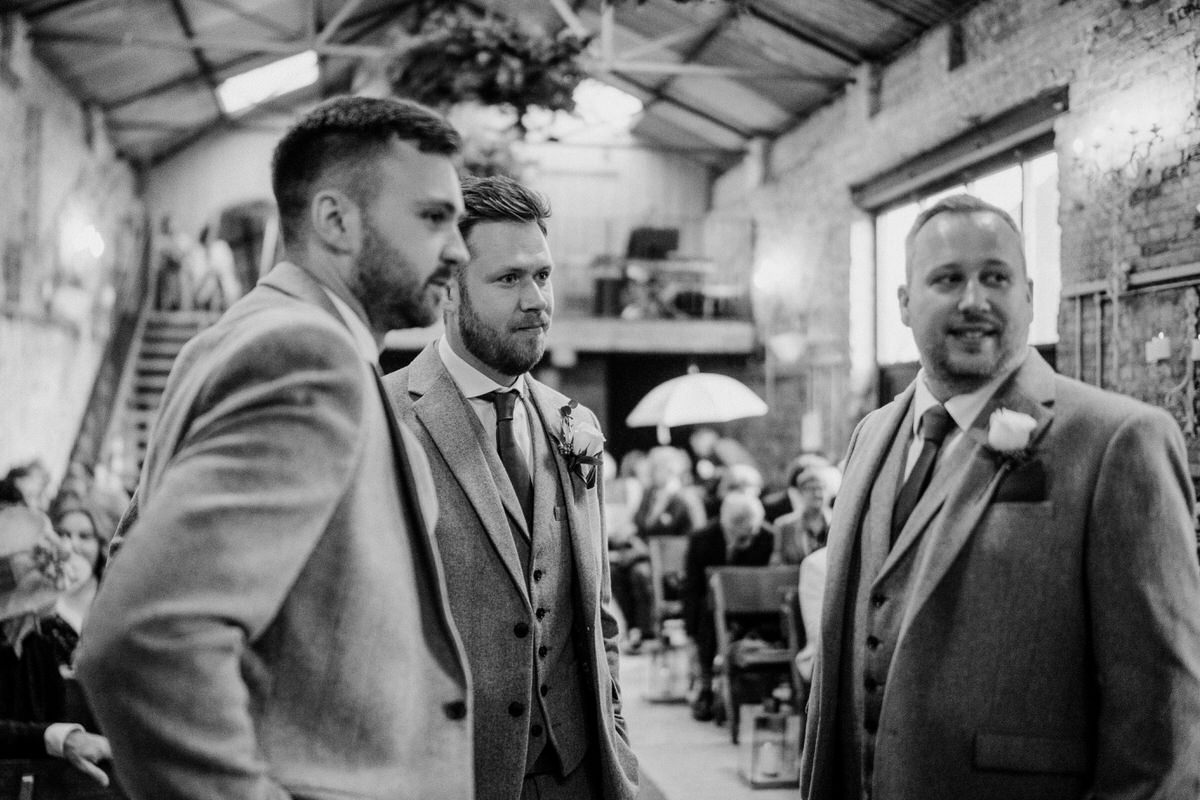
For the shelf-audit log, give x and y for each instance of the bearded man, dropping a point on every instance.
(520, 528)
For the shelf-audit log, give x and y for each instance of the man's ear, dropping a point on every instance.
(902, 296)
(337, 221)
(453, 294)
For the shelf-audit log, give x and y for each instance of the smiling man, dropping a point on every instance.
(274, 624)
(520, 530)
(1012, 600)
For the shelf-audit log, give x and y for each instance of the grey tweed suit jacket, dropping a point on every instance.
(487, 588)
(275, 623)
(1050, 647)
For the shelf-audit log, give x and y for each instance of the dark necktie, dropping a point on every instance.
(936, 423)
(510, 454)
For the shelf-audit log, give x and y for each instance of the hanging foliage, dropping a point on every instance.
(465, 56)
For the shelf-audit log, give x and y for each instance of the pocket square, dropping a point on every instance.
(1025, 484)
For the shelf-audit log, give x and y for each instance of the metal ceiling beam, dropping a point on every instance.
(898, 10)
(206, 69)
(334, 24)
(675, 69)
(655, 96)
(173, 83)
(258, 19)
(822, 40)
(260, 46)
(673, 38)
(49, 8)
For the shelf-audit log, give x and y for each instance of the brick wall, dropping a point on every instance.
(1129, 191)
(56, 309)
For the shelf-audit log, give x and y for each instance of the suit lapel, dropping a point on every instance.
(457, 434)
(581, 520)
(1030, 391)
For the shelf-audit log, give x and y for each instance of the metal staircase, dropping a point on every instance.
(159, 337)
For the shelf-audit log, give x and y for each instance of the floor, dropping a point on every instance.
(682, 759)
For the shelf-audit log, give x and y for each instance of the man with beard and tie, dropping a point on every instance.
(520, 529)
(1012, 605)
(275, 623)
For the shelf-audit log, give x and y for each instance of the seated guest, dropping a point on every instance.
(805, 529)
(787, 499)
(714, 457)
(739, 537)
(35, 569)
(668, 508)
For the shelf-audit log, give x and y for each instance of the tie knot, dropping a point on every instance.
(504, 403)
(936, 423)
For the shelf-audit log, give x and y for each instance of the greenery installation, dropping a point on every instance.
(463, 55)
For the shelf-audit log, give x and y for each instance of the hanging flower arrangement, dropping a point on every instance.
(464, 56)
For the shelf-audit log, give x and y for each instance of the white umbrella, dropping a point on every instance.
(693, 399)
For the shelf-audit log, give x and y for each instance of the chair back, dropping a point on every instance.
(751, 590)
(668, 554)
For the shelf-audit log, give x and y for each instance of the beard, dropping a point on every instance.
(498, 348)
(390, 290)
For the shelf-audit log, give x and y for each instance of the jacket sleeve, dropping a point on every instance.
(1144, 590)
(223, 531)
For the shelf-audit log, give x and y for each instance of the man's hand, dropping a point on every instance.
(84, 751)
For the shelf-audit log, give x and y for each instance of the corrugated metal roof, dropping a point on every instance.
(713, 74)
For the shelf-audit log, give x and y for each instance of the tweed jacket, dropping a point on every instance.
(1050, 645)
(488, 591)
(274, 624)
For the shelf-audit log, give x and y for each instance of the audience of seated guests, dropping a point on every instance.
(806, 528)
(38, 571)
(669, 507)
(739, 537)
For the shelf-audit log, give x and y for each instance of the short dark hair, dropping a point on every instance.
(343, 134)
(957, 204)
(498, 198)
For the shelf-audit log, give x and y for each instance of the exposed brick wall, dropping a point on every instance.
(1128, 194)
(54, 319)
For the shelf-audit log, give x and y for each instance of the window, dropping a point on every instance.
(1028, 190)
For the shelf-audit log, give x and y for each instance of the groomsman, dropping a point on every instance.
(1013, 600)
(520, 527)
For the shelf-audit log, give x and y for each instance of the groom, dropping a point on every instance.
(1013, 600)
(520, 530)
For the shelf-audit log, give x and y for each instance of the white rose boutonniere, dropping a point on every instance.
(581, 444)
(1009, 433)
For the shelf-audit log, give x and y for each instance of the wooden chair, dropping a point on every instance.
(748, 596)
(668, 555)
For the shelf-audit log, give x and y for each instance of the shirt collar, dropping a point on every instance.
(470, 381)
(963, 408)
(363, 339)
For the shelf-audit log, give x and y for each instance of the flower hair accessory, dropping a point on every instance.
(581, 444)
(1009, 433)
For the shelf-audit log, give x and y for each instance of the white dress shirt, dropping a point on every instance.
(358, 328)
(474, 385)
(963, 409)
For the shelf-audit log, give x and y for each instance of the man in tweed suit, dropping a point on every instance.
(520, 527)
(1013, 598)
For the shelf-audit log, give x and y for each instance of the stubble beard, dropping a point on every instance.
(388, 287)
(499, 349)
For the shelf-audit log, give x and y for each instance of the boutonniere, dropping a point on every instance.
(581, 444)
(1008, 435)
